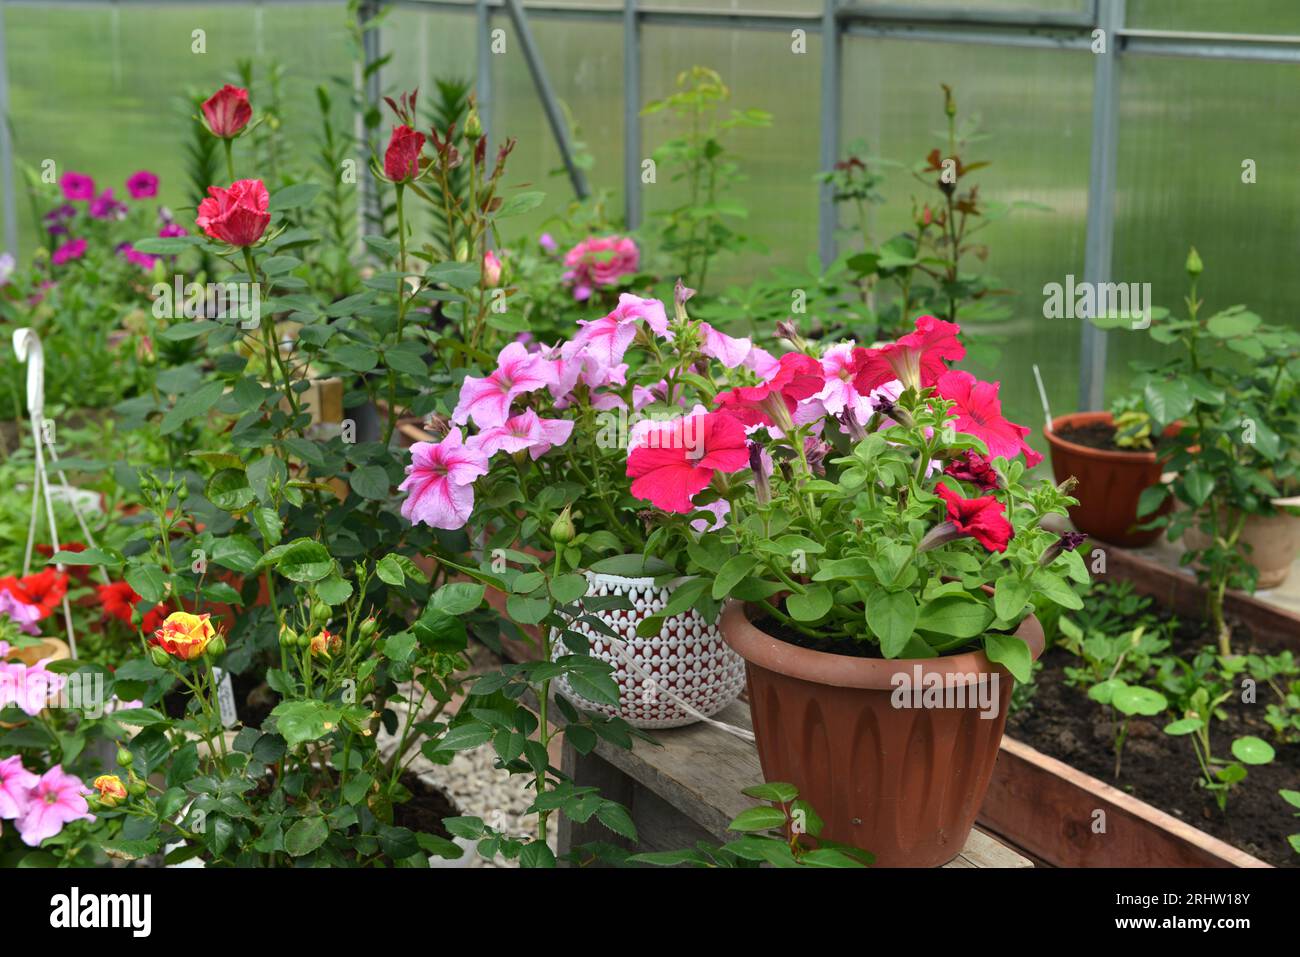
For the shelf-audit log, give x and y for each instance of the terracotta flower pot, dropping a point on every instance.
(1110, 482)
(1274, 542)
(903, 782)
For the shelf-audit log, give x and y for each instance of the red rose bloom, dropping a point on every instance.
(983, 519)
(402, 158)
(237, 215)
(797, 377)
(227, 111)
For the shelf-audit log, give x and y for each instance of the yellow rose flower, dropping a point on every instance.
(183, 635)
(325, 643)
(111, 789)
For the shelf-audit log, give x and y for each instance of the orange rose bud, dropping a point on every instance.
(325, 643)
(183, 635)
(111, 790)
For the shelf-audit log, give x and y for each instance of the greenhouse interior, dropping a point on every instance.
(659, 434)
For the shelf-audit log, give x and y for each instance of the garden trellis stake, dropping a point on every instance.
(27, 346)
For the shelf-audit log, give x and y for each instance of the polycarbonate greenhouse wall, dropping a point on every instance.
(1182, 134)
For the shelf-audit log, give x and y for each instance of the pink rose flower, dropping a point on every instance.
(239, 215)
(227, 111)
(599, 261)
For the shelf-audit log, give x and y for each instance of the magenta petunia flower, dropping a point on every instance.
(487, 400)
(916, 359)
(56, 799)
(77, 186)
(440, 482)
(142, 185)
(72, 249)
(107, 206)
(171, 230)
(797, 377)
(525, 431)
(132, 255)
(979, 413)
(16, 783)
(672, 461)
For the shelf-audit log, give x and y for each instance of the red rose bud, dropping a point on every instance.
(491, 270)
(402, 158)
(238, 215)
(112, 791)
(227, 111)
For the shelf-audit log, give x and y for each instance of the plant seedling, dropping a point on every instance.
(1218, 775)
(1127, 700)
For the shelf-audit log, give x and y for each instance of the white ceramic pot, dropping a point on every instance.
(684, 673)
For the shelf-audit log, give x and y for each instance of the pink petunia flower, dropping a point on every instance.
(525, 431)
(56, 799)
(172, 230)
(16, 783)
(72, 249)
(672, 461)
(547, 242)
(720, 508)
(131, 255)
(77, 186)
(142, 185)
(487, 400)
(917, 359)
(440, 482)
(761, 362)
(106, 206)
(21, 613)
(979, 413)
(728, 350)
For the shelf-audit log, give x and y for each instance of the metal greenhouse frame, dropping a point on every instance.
(1075, 30)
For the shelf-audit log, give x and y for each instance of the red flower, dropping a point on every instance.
(797, 377)
(983, 519)
(671, 461)
(979, 413)
(227, 111)
(917, 359)
(117, 600)
(402, 158)
(237, 215)
(972, 467)
(43, 589)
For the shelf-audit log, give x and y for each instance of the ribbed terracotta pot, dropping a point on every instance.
(1110, 482)
(904, 783)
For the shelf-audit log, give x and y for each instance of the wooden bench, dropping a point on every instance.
(689, 790)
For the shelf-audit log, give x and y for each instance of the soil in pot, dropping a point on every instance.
(1161, 769)
(1100, 435)
(427, 808)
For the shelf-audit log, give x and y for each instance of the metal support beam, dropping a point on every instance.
(632, 157)
(1099, 244)
(369, 208)
(559, 128)
(832, 82)
(7, 151)
(483, 66)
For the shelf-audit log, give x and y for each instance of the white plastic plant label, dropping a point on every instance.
(225, 697)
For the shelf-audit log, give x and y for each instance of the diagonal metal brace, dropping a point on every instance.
(559, 128)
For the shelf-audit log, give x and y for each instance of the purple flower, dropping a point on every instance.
(104, 206)
(73, 249)
(77, 186)
(172, 230)
(7, 264)
(142, 185)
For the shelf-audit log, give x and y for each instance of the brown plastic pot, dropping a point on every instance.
(1110, 482)
(1274, 542)
(904, 783)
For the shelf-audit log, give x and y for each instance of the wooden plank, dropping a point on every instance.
(1051, 809)
(688, 789)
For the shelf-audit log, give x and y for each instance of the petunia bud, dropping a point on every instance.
(1068, 542)
(681, 295)
(1194, 265)
(762, 488)
(563, 530)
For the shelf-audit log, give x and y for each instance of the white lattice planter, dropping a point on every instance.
(687, 660)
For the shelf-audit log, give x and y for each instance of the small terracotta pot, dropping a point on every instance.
(1274, 542)
(904, 783)
(1110, 482)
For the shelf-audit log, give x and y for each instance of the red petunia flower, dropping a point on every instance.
(983, 519)
(917, 359)
(972, 467)
(672, 461)
(797, 377)
(979, 413)
(117, 600)
(43, 589)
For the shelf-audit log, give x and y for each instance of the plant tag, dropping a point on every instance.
(225, 698)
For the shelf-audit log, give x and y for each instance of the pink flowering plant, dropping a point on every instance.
(871, 501)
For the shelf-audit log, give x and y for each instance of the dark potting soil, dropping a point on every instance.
(1161, 769)
(425, 811)
(1099, 435)
(832, 646)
